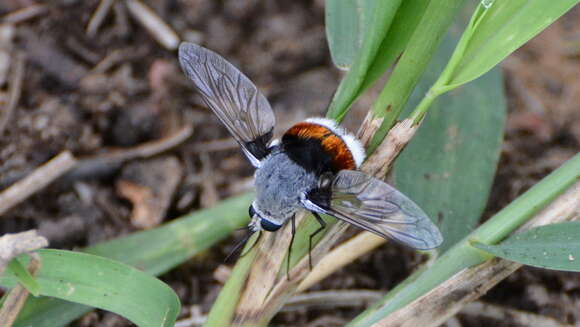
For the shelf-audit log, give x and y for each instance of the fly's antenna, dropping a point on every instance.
(253, 245)
(240, 243)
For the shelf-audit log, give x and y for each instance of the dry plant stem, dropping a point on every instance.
(36, 181)
(341, 256)
(87, 166)
(98, 17)
(13, 245)
(332, 299)
(17, 296)
(509, 316)
(24, 14)
(444, 301)
(158, 28)
(267, 288)
(15, 91)
(368, 128)
(265, 273)
(379, 163)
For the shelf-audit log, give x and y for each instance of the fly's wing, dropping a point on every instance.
(372, 204)
(232, 97)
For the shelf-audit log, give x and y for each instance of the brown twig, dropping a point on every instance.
(332, 299)
(36, 181)
(15, 91)
(158, 28)
(509, 316)
(98, 17)
(215, 145)
(92, 165)
(17, 296)
(24, 14)
(444, 301)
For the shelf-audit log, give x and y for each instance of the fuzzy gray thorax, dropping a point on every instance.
(279, 183)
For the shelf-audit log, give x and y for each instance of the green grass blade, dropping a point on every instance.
(109, 285)
(422, 45)
(404, 23)
(449, 166)
(506, 26)
(343, 24)
(19, 271)
(555, 246)
(154, 251)
(222, 310)
(374, 17)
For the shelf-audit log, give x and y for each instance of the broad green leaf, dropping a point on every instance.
(448, 167)
(18, 270)
(502, 29)
(555, 246)
(109, 285)
(343, 20)
(374, 18)
(154, 251)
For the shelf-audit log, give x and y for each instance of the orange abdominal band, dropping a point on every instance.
(331, 143)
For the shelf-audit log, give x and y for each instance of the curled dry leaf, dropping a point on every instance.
(13, 245)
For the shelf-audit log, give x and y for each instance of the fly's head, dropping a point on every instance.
(259, 222)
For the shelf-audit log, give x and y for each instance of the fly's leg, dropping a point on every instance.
(322, 226)
(293, 221)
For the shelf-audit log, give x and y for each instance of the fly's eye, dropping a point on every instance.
(251, 211)
(269, 226)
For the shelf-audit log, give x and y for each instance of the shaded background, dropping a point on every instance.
(115, 88)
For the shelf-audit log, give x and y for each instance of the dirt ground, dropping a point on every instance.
(100, 84)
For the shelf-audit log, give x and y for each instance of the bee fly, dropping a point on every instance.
(312, 167)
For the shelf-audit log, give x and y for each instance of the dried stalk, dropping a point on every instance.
(509, 315)
(98, 17)
(15, 91)
(17, 296)
(155, 25)
(36, 181)
(341, 256)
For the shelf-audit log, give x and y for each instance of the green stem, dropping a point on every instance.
(463, 255)
(442, 84)
(223, 309)
(438, 16)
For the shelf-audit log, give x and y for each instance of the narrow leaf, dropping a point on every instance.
(374, 19)
(448, 167)
(343, 20)
(502, 29)
(404, 23)
(109, 285)
(555, 246)
(18, 270)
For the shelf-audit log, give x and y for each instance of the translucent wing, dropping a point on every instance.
(372, 204)
(232, 97)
